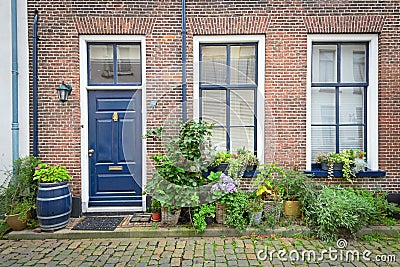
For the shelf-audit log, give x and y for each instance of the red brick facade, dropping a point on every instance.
(285, 25)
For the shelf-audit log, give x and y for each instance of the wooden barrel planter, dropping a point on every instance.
(53, 205)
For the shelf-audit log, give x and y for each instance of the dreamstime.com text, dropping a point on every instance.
(338, 254)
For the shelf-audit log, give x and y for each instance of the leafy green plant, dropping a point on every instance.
(155, 205)
(236, 168)
(169, 171)
(18, 193)
(200, 214)
(248, 157)
(295, 185)
(156, 133)
(193, 137)
(266, 182)
(51, 174)
(221, 157)
(353, 161)
(254, 205)
(171, 195)
(382, 208)
(336, 208)
(213, 176)
(237, 215)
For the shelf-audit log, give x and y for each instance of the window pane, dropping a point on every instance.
(219, 138)
(351, 137)
(324, 64)
(351, 105)
(323, 105)
(101, 64)
(323, 139)
(353, 63)
(214, 106)
(243, 65)
(213, 65)
(242, 137)
(128, 63)
(242, 108)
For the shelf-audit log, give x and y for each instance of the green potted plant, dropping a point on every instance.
(269, 191)
(249, 159)
(348, 161)
(236, 167)
(255, 209)
(203, 216)
(293, 184)
(155, 210)
(221, 161)
(54, 196)
(17, 193)
(223, 193)
(178, 173)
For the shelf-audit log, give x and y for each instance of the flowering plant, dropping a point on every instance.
(51, 174)
(223, 191)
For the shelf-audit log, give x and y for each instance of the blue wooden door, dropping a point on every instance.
(115, 148)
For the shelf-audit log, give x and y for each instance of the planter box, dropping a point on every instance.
(336, 166)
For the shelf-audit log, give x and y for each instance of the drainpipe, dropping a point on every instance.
(35, 84)
(184, 85)
(14, 71)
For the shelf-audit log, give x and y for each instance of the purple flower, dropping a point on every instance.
(231, 188)
(226, 186)
(214, 187)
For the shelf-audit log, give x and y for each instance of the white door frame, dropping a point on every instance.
(83, 40)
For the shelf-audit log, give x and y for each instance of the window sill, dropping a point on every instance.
(317, 172)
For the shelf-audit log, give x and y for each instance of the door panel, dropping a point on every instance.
(115, 136)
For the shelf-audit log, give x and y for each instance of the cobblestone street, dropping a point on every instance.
(199, 252)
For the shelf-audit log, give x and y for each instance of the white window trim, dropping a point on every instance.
(83, 40)
(221, 39)
(372, 92)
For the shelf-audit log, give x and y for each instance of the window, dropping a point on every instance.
(342, 99)
(228, 93)
(105, 58)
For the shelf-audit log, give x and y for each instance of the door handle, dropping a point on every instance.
(91, 151)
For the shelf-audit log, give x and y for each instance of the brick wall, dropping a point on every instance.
(285, 25)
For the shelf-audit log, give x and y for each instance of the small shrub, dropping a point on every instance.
(336, 208)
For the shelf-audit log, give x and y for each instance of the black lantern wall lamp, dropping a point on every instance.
(64, 91)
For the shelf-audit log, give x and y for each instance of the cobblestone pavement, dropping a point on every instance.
(199, 252)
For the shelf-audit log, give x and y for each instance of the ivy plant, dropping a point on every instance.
(200, 214)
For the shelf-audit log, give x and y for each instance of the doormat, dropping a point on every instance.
(99, 223)
(140, 218)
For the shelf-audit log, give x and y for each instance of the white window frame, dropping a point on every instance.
(227, 39)
(372, 91)
(84, 88)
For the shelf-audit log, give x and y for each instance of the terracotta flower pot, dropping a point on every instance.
(14, 223)
(156, 216)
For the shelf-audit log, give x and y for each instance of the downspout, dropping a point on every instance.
(35, 84)
(14, 71)
(184, 85)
